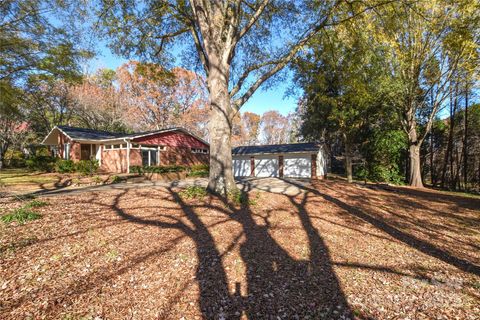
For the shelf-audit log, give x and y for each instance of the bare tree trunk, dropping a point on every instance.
(448, 152)
(348, 159)
(3, 150)
(465, 142)
(348, 167)
(221, 176)
(432, 170)
(415, 177)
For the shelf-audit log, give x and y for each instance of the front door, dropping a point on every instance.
(87, 150)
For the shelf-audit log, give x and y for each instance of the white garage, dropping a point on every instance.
(297, 166)
(266, 166)
(295, 160)
(241, 167)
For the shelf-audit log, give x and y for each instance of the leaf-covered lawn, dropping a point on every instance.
(334, 251)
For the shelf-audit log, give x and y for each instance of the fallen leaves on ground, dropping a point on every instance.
(335, 251)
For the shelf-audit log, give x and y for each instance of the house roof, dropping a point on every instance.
(84, 134)
(76, 133)
(277, 148)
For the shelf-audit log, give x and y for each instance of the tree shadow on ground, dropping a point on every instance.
(277, 285)
(394, 231)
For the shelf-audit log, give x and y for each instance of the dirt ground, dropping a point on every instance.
(335, 251)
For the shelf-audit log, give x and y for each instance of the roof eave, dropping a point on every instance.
(283, 152)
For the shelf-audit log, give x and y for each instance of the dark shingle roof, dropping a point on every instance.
(76, 133)
(277, 148)
(88, 134)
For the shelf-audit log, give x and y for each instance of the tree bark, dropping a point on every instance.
(465, 142)
(448, 152)
(221, 179)
(433, 179)
(415, 176)
(348, 160)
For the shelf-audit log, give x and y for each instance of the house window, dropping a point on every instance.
(197, 150)
(149, 157)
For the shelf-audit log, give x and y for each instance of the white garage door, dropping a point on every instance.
(266, 166)
(299, 166)
(241, 167)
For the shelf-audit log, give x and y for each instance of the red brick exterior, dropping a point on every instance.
(314, 166)
(172, 139)
(114, 160)
(75, 153)
(252, 166)
(178, 150)
(182, 156)
(280, 166)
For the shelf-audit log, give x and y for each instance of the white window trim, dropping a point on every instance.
(66, 151)
(199, 150)
(150, 155)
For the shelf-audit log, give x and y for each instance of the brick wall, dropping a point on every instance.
(173, 139)
(182, 156)
(114, 160)
(75, 153)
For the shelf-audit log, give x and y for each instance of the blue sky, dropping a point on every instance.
(263, 100)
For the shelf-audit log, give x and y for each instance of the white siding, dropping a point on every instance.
(241, 166)
(297, 166)
(266, 166)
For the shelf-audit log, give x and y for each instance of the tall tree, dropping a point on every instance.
(239, 44)
(36, 41)
(340, 75)
(251, 121)
(274, 128)
(425, 48)
(159, 98)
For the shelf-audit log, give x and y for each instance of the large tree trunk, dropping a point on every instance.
(415, 173)
(415, 176)
(221, 176)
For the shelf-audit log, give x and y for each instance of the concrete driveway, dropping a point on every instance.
(289, 187)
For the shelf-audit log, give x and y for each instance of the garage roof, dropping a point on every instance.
(277, 148)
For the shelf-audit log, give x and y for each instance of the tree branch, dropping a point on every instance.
(253, 19)
(283, 61)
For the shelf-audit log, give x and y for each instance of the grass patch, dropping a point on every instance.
(242, 198)
(23, 176)
(24, 213)
(36, 204)
(116, 179)
(21, 215)
(193, 192)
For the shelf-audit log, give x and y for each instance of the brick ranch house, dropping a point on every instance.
(117, 152)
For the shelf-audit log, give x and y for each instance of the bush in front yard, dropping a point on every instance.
(64, 166)
(199, 170)
(41, 163)
(157, 169)
(200, 167)
(87, 167)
